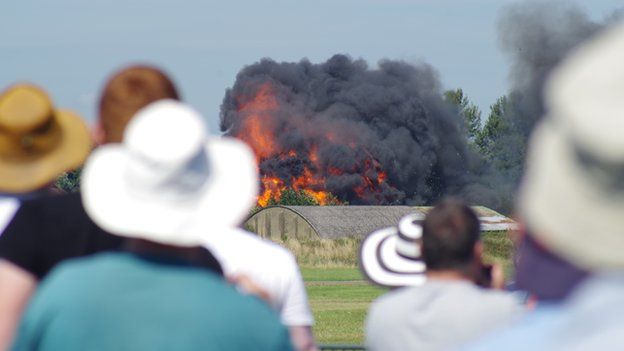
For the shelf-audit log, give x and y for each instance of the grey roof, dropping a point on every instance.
(341, 221)
(490, 220)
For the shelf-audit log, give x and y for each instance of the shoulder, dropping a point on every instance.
(240, 243)
(256, 310)
(485, 304)
(277, 252)
(499, 298)
(70, 279)
(534, 331)
(277, 259)
(398, 295)
(264, 244)
(386, 315)
(54, 201)
(75, 269)
(240, 309)
(52, 207)
(391, 304)
(243, 317)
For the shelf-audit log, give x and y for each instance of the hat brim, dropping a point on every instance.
(222, 202)
(382, 265)
(73, 148)
(565, 207)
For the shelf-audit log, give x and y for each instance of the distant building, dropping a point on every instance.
(491, 221)
(330, 222)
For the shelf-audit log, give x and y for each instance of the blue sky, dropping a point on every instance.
(71, 46)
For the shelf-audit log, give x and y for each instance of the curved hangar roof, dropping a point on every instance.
(332, 222)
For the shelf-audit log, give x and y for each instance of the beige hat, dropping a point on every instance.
(572, 195)
(37, 142)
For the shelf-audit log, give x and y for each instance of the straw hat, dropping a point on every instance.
(168, 182)
(37, 142)
(391, 256)
(572, 196)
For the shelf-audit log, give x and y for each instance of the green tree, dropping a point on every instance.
(502, 142)
(494, 127)
(69, 182)
(291, 197)
(469, 112)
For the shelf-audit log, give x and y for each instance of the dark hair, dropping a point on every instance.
(128, 91)
(450, 232)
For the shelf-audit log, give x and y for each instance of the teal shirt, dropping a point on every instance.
(120, 301)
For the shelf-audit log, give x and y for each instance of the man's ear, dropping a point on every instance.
(98, 134)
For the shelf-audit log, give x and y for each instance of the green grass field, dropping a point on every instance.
(340, 296)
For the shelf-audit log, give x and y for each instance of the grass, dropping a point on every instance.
(338, 293)
(326, 253)
(342, 252)
(335, 274)
(499, 249)
(339, 298)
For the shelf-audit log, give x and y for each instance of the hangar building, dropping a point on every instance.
(330, 222)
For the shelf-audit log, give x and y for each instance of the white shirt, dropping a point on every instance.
(270, 266)
(8, 207)
(439, 315)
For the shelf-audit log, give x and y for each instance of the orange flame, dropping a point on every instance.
(258, 131)
(272, 188)
(258, 125)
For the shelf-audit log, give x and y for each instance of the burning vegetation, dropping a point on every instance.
(341, 131)
(308, 172)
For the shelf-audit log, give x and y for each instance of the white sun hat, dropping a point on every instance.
(391, 256)
(572, 195)
(168, 178)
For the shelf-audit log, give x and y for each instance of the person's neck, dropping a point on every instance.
(190, 254)
(447, 275)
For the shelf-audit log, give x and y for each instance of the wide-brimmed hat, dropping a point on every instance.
(168, 182)
(391, 256)
(572, 196)
(37, 142)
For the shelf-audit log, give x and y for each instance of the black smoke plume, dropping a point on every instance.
(385, 135)
(536, 37)
(359, 122)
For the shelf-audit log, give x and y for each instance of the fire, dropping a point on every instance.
(272, 188)
(258, 129)
(258, 125)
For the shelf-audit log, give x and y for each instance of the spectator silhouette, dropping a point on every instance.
(48, 229)
(450, 307)
(571, 202)
(37, 143)
(163, 181)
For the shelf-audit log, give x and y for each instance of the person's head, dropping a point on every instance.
(37, 141)
(451, 237)
(168, 182)
(572, 193)
(125, 93)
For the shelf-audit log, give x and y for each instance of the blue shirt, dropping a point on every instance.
(592, 319)
(121, 301)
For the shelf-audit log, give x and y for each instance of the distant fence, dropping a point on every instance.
(341, 347)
